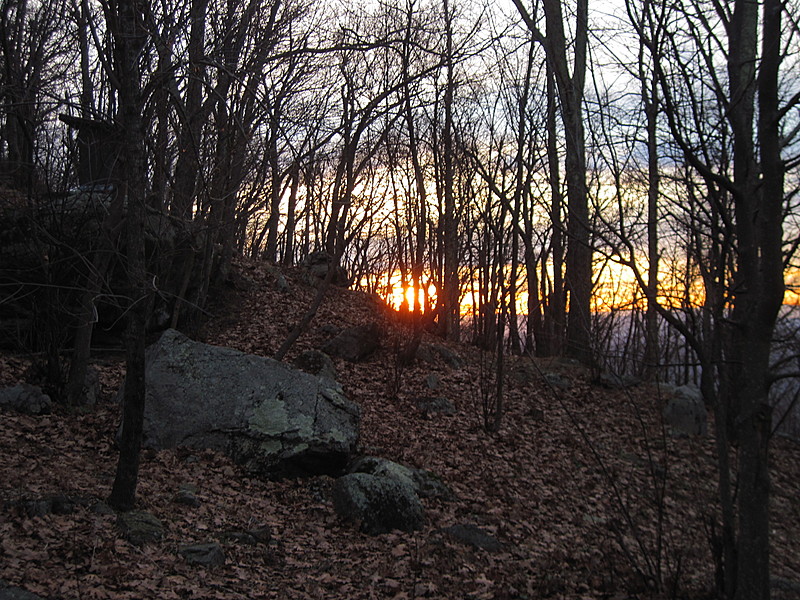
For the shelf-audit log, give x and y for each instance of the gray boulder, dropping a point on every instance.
(423, 483)
(377, 504)
(685, 412)
(25, 399)
(354, 344)
(269, 417)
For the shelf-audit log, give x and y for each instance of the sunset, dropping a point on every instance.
(399, 299)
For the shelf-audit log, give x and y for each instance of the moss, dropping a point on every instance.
(270, 418)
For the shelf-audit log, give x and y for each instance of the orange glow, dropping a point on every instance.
(400, 294)
(615, 289)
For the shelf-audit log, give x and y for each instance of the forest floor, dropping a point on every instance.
(570, 486)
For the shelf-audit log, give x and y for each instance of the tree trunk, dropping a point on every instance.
(451, 313)
(130, 37)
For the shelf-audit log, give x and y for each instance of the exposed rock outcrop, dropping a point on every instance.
(273, 419)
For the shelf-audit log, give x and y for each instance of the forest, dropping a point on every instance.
(613, 184)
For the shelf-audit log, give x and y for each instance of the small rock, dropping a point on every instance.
(430, 485)
(424, 483)
(187, 498)
(430, 405)
(433, 382)
(10, 592)
(329, 330)
(139, 527)
(612, 381)
(317, 363)
(37, 508)
(431, 353)
(474, 536)
(557, 381)
(522, 373)
(91, 387)
(251, 537)
(62, 505)
(101, 508)
(377, 504)
(209, 554)
(536, 414)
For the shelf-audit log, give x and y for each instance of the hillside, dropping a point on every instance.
(566, 486)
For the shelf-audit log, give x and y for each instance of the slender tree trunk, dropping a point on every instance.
(130, 38)
(291, 217)
(555, 315)
(451, 315)
(188, 166)
(651, 353)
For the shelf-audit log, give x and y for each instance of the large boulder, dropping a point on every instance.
(26, 399)
(685, 413)
(377, 504)
(355, 344)
(273, 419)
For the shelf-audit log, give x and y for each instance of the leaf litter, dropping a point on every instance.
(570, 527)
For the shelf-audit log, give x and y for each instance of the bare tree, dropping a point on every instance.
(125, 19)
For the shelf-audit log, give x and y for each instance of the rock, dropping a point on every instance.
(381, 467)
(10, 592)
(432, 353)
(430, 405)
(209, 554)
(784, 589)
(91, 387)
(25, 399)
(474, 536)
(57, 504)
(377, 504)
(433, 382)
(251, 537)
(317, 363)
(430, 485)
(613, 381)
(269, 417)
(318, 264)
(523, 373)
(139, 527)
(280, 282)
(685, 413)
(423, 483)
(557, 381)
(187, 498)
(354, 344)
(329, 330)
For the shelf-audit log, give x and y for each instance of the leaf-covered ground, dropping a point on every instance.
(569, 486)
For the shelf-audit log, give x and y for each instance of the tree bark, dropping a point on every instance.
(130, 36)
